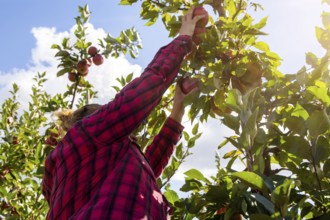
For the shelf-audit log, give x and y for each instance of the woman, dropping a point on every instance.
(96, 171)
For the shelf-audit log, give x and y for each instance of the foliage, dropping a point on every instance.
(281, 121)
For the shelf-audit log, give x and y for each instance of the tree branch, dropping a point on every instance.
(239, 8)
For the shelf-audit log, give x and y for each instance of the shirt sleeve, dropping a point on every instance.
(162, 146)
(136, 100)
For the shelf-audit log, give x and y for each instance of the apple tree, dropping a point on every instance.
(280, 121)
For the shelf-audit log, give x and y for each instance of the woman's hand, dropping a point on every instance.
(178, 102)
(189, 22)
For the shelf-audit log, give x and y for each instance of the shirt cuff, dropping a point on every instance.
(185, 40)
(174, 128)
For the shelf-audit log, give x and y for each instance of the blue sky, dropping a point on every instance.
(28, 28)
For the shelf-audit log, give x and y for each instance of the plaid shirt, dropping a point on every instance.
(97, 172)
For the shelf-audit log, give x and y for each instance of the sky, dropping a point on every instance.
(29, 28)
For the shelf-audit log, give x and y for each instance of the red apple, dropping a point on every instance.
(82, 67)
(98, 59)
(52, 138)
(221, 211)
(72, 76)
(51, 141)
(199, 10)
(199, 31)
(15, 140)
(226, 57)
(188, 84)
(92, 51)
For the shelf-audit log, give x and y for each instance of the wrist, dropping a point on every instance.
(177, 116)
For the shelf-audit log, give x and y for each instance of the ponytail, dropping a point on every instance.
(65, 118)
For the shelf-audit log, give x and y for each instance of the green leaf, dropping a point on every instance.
(321, 150)
(252, 179)
(264, 201)
(63, 71)
(297, 146)
(260, 217)
(318, 32)
(223, 143)
(56, 46)
(218, 194)
(262, 23)
(299, 111)
(323, 36)
(250, 130)
(302, 77)
(295, 124)
(195, 129)
(127, 2)
(38, 153)
(311, 59)
(234, 100)
(318, 122)
(254, 31)
(326, 168)
(232, 122)
(281, 194)
(62, 53)
(320, 92)
(171, 196)
(262, 46)
(191, 185)
(231, 154)
(129, 77)
(195, 174)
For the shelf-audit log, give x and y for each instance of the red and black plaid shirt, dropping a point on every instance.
(96, 172)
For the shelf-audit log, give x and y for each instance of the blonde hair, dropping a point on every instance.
(65, 118)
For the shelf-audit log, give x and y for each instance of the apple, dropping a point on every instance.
(15, 140)
(227, 56)
(197, 35)
(10, 120)
(98, 59)
(188, 84)
(221, 211)
(72, 76)
(199, 10)
(92, 51)
(82, 67)
(51, 141)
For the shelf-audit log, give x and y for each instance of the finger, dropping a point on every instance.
(190, 12)
(197, 18)
(194, 90)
